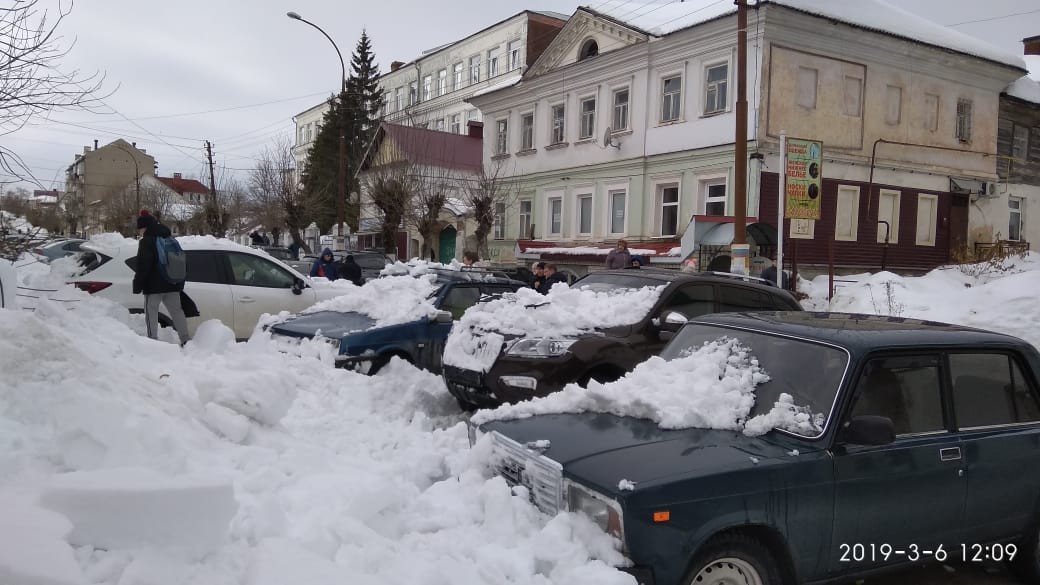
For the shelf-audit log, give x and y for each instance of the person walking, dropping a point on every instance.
(351, 270)
(148, 279)
(619, 257)
(538, 269)
(551, 277)
(325, 265)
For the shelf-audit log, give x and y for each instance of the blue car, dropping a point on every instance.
(366, 348)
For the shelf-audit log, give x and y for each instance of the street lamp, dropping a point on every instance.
(341, 195)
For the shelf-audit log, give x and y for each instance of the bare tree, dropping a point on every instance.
(31, 80)
(390, 188)
(433, 185)
(485, 194)
(275, 195)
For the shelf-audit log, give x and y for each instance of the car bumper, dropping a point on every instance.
(358, 363)
(509, 381)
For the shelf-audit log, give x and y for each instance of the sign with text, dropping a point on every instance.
(804, 186)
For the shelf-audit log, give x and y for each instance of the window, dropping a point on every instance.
(474, 69)
(669, 210)
(715, 89)
(617, 211)
(249, 270)
(456, 76)
(471, 115)
(1015, 218)
(853, 96)
(989, 390)
(846, 225)
(589, 48)
(620, 121)
(310, 134)
(456, 123)
(807, 78)
(893, 105)
(460, 298)
(555, 215)
(502, 137)
(527, 132)
(398, 99)
(492, 63)
(203, 267)
(905, 390)
(931, 112)
(926, 211)
(691, 301)
(733, 299)
(1020, 142)
(588, 118)
(439, 125)
(964, 120)
(514, 55)
(585, 214)
(427, 87)
(500, 221)
(413, 93)
(442, 82)
(558, 127)
(888, 210)
(715, 198)
(671, 100)
(525, 219)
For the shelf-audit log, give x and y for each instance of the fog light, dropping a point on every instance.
(525, 382)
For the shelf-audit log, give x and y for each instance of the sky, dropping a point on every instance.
(234, 72)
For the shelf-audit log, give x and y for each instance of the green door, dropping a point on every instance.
(447, 245)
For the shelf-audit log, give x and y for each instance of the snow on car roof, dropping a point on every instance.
(390, 300)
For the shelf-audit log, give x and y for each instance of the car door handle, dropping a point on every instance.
(246, 300)
(950, 454)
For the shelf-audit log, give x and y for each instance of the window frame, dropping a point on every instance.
(413, 92)
(474, 69)
(933, 233)
(492, 62)
(1020, 212)
(665, 95)
(931, 121)
(456, 123)
(427, 87)
(846, 95)
(525, 218)
(1014, 139)
(513, 51)
(1013, 356)
(942, 368)
(661, 205)
(561, 136)
(499, 226)
(894, 218)
(626, 108)
(442, 82)
(706, 199)
(527, 131)
(501, 136)
(586, 119)
(457, 72)
(963, 127)
(579, 200)
(855, 190)
(551, 201)
(710, 86)
(611, 192)
(398, 99)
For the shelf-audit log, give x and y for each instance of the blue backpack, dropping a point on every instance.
(173, 263)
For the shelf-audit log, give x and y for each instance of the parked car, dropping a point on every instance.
(8, 285)
(525, 368)
(925, 451)
(277, 252)
(366, 348)
(371, 263)
(232, 283)
(51, 251)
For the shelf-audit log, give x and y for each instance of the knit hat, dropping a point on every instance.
(145, 219)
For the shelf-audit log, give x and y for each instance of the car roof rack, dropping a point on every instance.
(745, 278)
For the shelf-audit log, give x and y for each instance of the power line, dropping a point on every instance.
(231, 108)
(995, 17)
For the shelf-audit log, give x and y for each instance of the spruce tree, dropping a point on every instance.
(320, 173)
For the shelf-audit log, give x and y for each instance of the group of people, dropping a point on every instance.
(545, 276)
(328, 267)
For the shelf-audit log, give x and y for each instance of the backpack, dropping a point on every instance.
(173, 264)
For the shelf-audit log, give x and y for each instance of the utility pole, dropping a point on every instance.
(739, 248)
(214, 214)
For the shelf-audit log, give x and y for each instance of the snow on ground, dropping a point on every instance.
(128, 461)
(564, 312)
(996, 297)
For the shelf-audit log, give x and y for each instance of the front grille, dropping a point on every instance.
(542, 476)
(463, 377)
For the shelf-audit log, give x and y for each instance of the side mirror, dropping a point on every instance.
(671, 321)
(869, 430)
(297, 287)
(443, 317)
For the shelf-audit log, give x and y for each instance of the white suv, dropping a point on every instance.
(229, 282)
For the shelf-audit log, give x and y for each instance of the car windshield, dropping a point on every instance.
(609, 282)
(810, 372)
(372, 261)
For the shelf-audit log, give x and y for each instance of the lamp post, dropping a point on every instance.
(341, 193)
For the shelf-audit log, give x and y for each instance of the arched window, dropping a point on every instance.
(589, 48)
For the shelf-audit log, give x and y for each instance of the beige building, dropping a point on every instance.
(96, 185)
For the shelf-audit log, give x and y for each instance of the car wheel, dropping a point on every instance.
(380, 361)
(1026, 565)
(734, 560)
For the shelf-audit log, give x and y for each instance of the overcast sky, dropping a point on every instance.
(170, 61)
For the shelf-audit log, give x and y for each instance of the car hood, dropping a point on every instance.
(602, 449)
(332, 324)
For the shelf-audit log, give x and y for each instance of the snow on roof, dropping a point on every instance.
(509, 81)
(551, 14)
(877, 15)
(390, 300)
(1025, 88)
(594, 251)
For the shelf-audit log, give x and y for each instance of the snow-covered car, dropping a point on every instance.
(233, 283)
(57, 249)
(8, 285)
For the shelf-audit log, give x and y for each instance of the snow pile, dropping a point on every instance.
(591, 251)
(713, 387)
(1001, 298)
(390, 300)
(33, 545)
(564, 312)
(416, 267)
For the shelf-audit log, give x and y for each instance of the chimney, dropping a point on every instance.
(176, 175)
(475, 129)
(134, 144)
(1032, 45)
(95, 144)
(396, 65)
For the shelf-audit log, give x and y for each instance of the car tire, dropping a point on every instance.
(733, 559)
(1026, 565)
(382, 360)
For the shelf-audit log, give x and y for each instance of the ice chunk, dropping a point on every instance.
(212, 337)
(277, 561)
(626, 485)
(33, 550)
(134, 507)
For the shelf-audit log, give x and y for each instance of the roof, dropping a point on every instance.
(857, 332)
(433, 148)
(1024, 88)
(182, 186)
(594, 252)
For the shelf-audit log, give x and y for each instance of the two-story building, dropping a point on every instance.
(96, 181)
(626, 131)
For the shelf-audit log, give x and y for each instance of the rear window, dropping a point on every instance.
(89, 261)
(372, 261)
(609, 282)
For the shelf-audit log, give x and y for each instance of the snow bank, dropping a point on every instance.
(564, 312)
(33, 549)
(591, 251)
(416, 267)
(390, 300)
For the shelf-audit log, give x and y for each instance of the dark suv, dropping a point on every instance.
(535, 368)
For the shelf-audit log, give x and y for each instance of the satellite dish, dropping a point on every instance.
(608, 139)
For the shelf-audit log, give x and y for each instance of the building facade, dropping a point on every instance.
(620, 133)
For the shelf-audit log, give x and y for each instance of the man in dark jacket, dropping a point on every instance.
(551, 278)
(149, 280)
(350, 270)
(325, 265)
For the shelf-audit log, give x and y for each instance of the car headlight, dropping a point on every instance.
(603, 511)
(540, 347)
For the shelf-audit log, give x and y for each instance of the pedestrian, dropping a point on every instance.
(769, 274)
(619, 257)
(266, 239)
(470, 258)
(551, 277)
(294, 250)
(635, 264)
(538, 268)
(256, 238)
(351, 270)
(325, 265)
(148, 279)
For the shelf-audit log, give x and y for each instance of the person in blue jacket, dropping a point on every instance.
(325, 266)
